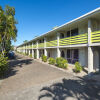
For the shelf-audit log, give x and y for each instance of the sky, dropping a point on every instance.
(36, 17)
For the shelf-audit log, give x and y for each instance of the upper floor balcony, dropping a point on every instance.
(41, 45)
(51, 43)
(72, 40)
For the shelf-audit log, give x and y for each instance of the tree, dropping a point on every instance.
(25, 41)
(8, 30)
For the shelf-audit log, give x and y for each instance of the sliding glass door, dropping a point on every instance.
(72, 55)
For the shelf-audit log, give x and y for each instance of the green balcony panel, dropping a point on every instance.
(51, 43)
(41, 45)
(95, 37)
(78, 39)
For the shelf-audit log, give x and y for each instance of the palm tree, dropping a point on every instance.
(8, 30)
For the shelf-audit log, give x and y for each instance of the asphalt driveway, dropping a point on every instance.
(30, 80)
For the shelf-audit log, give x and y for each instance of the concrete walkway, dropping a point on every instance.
(31, 80)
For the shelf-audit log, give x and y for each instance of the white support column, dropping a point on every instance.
(58, 37)
(90, 59)
(32, 51)
(45, 50)
(26, 49)
(58, 50)
(89, 32)
(37, 51)
(45, 42)
(90, 49)
(29, 52)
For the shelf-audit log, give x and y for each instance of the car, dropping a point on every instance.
(11, 55)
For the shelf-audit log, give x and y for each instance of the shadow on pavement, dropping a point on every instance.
(14, 63)
(71, 89)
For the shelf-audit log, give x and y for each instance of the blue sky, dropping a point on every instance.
(36, 17)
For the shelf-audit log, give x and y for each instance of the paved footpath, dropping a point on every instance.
(28, 79)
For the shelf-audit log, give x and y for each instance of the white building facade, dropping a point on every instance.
(77, 40)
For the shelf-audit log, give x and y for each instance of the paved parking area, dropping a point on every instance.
(30, 80)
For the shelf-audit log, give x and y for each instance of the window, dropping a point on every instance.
(72, 55)
(61, 35)
(76, 55)
(62, 54)
(74, 32)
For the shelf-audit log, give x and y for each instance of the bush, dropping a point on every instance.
(44, 58)
(3, 64)
(61, 62)
(66, 65)
(52, 61)
(78, 67)
(58, 61)
(31, 55)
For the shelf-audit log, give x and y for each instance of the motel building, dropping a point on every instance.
(77, 40)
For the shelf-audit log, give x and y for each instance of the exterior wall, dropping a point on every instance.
(88, 55)
(83, 29)
(53, 52)
(95, 25)
(96, 58)
(52, 37)
(83, 56)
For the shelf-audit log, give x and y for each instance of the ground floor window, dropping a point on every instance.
(62, 54)
(72, 55)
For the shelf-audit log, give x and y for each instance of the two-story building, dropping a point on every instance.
(77, 40)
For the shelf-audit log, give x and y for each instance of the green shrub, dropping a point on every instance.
(78, 67)
(3, 64)
(31, 55)
(52, 61)
(44, 58)
(66, 65)
(58, 60)
(61, 62)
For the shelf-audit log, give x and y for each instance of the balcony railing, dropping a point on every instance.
(95, 37)
(78, 39)
(41, 45)
(51, 43)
